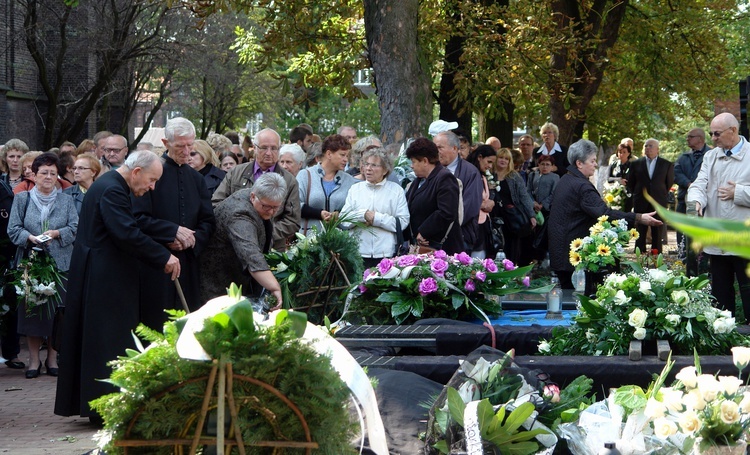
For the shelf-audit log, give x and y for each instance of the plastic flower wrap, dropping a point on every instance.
(655, 304)
(604, 245)
(36, 282)
(614, 195)
(413, 286)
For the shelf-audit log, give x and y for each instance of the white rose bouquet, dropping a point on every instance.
(653, 304)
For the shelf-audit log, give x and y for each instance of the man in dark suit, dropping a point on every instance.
(655, 175)
(103, 286)
(448, 144)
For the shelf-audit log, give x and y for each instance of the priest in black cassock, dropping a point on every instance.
(101, 306)
(178, 215)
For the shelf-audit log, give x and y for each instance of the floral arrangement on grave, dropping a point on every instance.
(498, 407)
(603, 247)
(698, 414)
(436, 285)
(315, 272)
(614, 195)
(37, 282)
(651, 304)
(161, 393)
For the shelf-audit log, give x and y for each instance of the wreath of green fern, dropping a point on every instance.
(164, 391)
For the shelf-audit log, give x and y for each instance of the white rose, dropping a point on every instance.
(673, 319)
(689, 422)
(688, 377)
(680, 297)
(654, 409)
(725, 313)
(730, 384)
(740, 356)
(639, 333)
(638, 317)
(745, 403)
(660, 311)
(729, 412)
(664, 428)
(723, 325)
(694, 400)
(544, 347)
(672, 398)
(658, 275)
(709, 387)
(621, 298)
(615, 280)
(644, 287)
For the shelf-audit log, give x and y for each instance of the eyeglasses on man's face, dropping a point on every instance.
(113, 151)
(718, 133)
(268, 148)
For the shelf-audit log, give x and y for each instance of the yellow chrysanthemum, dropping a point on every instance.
(604, 218)
(596, 229)
(603, 250)
(609, 198)
(575, 258)
(634, 234)
(576, 244)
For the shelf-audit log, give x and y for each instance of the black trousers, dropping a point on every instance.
(724, 270)
(656, 237)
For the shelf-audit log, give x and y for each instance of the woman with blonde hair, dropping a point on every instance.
(85, 170)
(205, 161)
(512, 203)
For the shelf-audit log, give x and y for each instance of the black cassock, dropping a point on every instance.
(180, 198)
(103, 289)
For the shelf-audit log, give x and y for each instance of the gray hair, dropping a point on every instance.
(651, 139)
(256, 138)
(15, 144)
(382, 155)
(298, 155)
(452, 137)
(360, 146)
(581, 150)
(143, 159)
(270, 186)
(178, 126)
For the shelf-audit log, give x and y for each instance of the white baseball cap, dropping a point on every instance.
(438, 126)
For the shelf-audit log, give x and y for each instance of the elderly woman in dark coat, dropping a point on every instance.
(244, 233)
(576, 206)
(433, 200)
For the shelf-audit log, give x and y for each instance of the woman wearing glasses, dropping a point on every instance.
(379, 204)
(43, 210)
(85, 171)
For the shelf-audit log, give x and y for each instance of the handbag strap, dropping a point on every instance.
(399, 232)
(307, 198)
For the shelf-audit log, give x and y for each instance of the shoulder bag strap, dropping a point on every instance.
(307, 198)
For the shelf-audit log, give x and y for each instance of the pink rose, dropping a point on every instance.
(481, 276)
(490, 265)
(384, 266)
(367, 273)
(508, 264)
(428, 286)
(362, 288)
(526, 281)
(439, 266)
(409, 259)
(469, 286)
(464, 258)
(552, 393)
(440, 254)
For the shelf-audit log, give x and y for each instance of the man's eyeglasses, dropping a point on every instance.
(79, 168)
(268, 148)
(718, 133)
(112, 151)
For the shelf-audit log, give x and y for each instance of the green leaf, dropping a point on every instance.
(298, 320)
(456, 406)
(400, 308)
(441, 446)
(241, 315)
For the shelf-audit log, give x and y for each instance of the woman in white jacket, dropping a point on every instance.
(378, 203)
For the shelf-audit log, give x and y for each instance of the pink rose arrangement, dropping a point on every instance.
(436, 285)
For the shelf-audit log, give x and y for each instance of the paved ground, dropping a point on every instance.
(27, 423)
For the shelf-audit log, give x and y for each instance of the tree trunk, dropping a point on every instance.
(402, 80)
(577, 70)
(450, 111)
(501, 128)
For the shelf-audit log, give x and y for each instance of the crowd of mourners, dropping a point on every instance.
(170, 226)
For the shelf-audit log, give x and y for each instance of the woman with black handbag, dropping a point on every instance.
(46, 217)
(513, 204)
